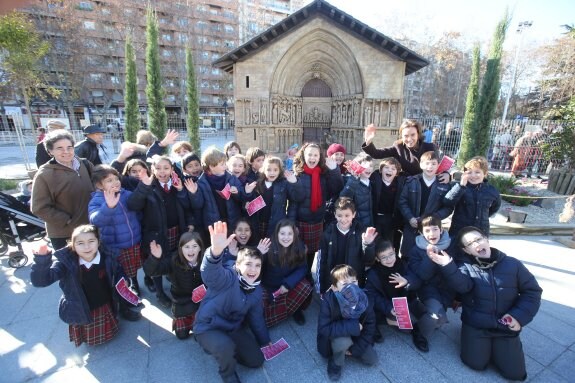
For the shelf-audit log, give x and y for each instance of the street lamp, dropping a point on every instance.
(520, 28)
(225, 105)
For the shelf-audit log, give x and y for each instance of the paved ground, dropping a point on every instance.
(34, 345)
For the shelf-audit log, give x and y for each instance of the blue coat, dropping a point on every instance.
(504, 287)
(361, 197)
(73, 307)
(226, 305)
(274, 276)
(473, 205)
(410, 200)
(119, 226)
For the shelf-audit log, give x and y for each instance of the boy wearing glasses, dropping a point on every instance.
(384, 283)
(500, 296)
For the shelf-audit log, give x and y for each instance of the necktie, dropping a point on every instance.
(166, 188)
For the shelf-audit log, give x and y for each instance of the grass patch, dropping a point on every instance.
(8, 184)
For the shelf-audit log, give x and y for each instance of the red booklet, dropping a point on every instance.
(402, 313)
(275, 349)
(445, 164)
(225, 192)
(125, 292)
(355, 167)
(199, 293)
(256, 205)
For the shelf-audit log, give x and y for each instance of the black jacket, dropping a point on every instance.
(42, 155)
(88, 149)
(376, 187)
(408, 159)
(410, 200)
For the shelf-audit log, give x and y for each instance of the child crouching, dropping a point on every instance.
(183, 269)
(346, 323)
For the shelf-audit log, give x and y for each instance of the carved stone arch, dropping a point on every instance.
(319, 54)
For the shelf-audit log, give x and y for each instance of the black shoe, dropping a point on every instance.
(135, 285)
(419, 340)
(149, 284)
(164, 300)
(333, 371)
(130, 315)
(299, 318)
(182, 334)
(378, 336)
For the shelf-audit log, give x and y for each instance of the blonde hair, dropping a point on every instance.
(182, 145)
(477, 162)
(212, 156)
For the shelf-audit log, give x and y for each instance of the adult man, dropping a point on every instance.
(91, 147)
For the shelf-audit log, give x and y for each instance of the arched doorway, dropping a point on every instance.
(316, 95)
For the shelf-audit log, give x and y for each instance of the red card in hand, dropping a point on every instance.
(255, 205)
(356, 167)
(402, 313)
(199, 293)
(445, 164)
(125, 292)
(275, 349)
(225, 192)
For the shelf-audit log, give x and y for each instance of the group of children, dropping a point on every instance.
(245, 231)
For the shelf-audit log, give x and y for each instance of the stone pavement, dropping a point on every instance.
(34, 346)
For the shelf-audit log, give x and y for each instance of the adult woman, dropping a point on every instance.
(407, 150)
(62, 188)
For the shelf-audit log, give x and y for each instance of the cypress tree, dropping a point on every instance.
(131, 93)
(467, 137)
(154, 91)
(193, 105)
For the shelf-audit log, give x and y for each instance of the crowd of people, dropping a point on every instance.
(248, 239)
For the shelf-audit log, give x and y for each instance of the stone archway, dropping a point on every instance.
(316, 101)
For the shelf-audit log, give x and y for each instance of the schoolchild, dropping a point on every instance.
(276, 187)
(473, 198)
(87, 275)
(385, 281)
(162, 201)
(119, 227)
(179, 150)
(358, 188)
(238, 167)
(255, 158)
(386, 186)
(345, 241)
(346, 323)
(337, 153)
(232, 148)
(286, 290)
(421, 195)
(183, 269)
(132, 173)
(233, 299)
(320, 180)
(191, 166)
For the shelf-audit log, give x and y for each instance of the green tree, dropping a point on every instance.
(154, 91)
(193, 105)
(131, 93)
(467, 137)
(561, 145)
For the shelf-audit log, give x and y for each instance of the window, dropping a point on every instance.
(167, 37)
(95, 77)
(247, 81)
(115, 79)
(205, 54)
(183, 38)
(183, 22)
(90, 44)
(203, 69)
(85, 6)
(171, 98)
(166, 53)
(205, 98)
(202, 24)
(106, 12)
(215, 71)
(205, 84)
(229, 28)
(90, 25)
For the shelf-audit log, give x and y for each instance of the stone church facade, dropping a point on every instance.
(319, 75)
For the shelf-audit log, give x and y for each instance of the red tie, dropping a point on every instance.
(166, 188)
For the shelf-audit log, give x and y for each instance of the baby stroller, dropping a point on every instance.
(17, 224)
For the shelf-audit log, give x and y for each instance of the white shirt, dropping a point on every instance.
(95, 261)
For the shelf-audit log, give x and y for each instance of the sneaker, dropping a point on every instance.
(333, 371)
(130, 315)
(419, 340)
(299, 318)
(149, 284)
(164, 300)
(182, 334)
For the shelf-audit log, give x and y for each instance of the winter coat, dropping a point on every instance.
(226, 305)
(119, 226)
(88, 149)
(274, 275)
(503, 287)
(473, 205)
(357, 255)
(42, 155)
(331, 324)
(376, 187)
(409, 160)
(375, 289)
(60, 196)
(73, 307)
(360, 193)
(410, 200)
(299, 207)
(184, 281)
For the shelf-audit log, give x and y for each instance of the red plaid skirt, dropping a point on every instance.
(183, 323)
(131, 260)
(285, 305)
(103, 328)
(173, 238)
(310, 234)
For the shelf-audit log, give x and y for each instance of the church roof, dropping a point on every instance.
(321, 8)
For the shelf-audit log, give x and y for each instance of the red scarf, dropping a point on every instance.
(316, 197)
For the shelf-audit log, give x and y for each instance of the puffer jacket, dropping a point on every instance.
(360, 194)
(377, 186)
(504, 286)
(409, 160)
(88, 149)
(119, 226)
(226, 305)
(299, 208)
(357, 255)
(73, 307)
(274, 275)
(473, 205)
(410, 200)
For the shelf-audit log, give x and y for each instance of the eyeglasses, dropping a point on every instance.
(475, 242)
(386, 257)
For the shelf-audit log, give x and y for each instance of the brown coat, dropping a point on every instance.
(60, 197)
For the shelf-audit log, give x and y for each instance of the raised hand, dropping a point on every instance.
(42, 250)
(126, 151)
(413, 223)
(431, 249)
(290, 177)
(464, 178)
(264, 245)
(442, 259)
(176, 182)
(369, 134)
(330, 163)
(170, 138)
(219, 237)
(156, 249)
(146, 179)
(250, 187)
(191, 186)
(369, 236)
(398, 280)
(233, 247)
(112, 198)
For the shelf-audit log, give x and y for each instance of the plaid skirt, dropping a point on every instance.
(310, 234)
(103, 328)
(131, 260)
(285, 305)
(173, 238)
(183, 323)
